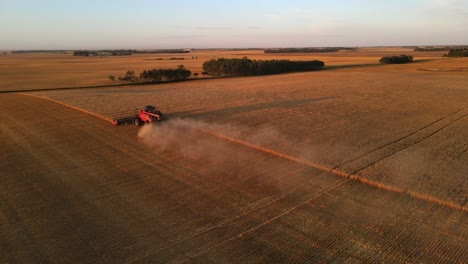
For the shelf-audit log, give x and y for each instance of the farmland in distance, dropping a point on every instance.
(358, 162)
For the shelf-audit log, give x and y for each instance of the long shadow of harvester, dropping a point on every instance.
(247, 108)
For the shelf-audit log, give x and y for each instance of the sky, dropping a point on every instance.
(145, 24)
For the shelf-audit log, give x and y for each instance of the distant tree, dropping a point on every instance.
(162, 51)
(462, 52)
(431, 48)
(129, 77)
(85, 53)
(182, 73)
(101, 52)
(158, 75)
(306, 50)
(247, 67)
(195, 74)
(111, 77)
(396, 59)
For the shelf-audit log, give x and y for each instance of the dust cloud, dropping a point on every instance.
(186, 137)
(210, 146)
(190, 138)
(230, 152)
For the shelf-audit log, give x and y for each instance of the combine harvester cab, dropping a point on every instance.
(147, 114)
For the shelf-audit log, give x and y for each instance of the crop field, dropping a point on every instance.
(358, 162)
(44, 71)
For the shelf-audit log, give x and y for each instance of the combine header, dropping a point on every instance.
(147, 114)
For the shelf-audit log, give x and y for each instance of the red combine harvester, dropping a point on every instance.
(147, 114)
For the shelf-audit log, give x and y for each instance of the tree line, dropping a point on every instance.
(247, 67)
(306, 50)
(103, 52)
(40, 51)
(431, 48)
(462, 52)
(122, 52)
(155, 75)
(162, 51)
(396, 59)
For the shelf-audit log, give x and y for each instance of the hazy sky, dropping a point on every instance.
(86, 24)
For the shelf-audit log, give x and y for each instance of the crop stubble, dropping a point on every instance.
(131, 204)
(118, 200)
(349, 120)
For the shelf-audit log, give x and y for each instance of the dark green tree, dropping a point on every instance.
(246, 67)
(396, 59)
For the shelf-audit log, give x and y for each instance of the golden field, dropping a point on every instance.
(358, 162)
(40, 71)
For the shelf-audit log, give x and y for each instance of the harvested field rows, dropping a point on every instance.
(74, 187)
(359, 162)
(349, 121)
(190, 127)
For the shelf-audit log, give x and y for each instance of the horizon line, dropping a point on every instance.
(243, 48)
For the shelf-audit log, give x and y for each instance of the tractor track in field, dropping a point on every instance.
(400, 144)
(391, 234)
(308, 200)
(338, 170)
(346, 174)
(238, 218)
(390, 224)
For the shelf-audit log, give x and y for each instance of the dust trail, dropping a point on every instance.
(267, 150)
(218, 160)
(169, 135)
(341, 173)
(183, 136)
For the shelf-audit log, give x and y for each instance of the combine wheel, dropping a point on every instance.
(138, 122)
